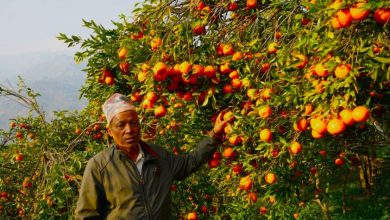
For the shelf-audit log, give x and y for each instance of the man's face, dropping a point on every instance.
(125, 129)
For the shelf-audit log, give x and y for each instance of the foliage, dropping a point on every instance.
(287, 66)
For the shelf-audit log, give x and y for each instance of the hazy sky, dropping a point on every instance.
(32, 25)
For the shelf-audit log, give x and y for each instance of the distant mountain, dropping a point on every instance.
(54, 75)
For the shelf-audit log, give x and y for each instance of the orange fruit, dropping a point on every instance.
(295, 148)
(266, 93)
(160, 68)
(382, 15)
(122, 52)
(237, 56)
(270, 178)
(197, 69)
(192, 216)
(250, 4)
(321, 70)
(185, 67)
(301, 125)
(339, 161)
(234, 75)
(346, 116)
(318, 125)
(358, 12)
(225, 68)
(265, 112)
(317, 135)
(273, 47)
(227, 50)
(235, 140)
(342, 71)
(308, 109)
(266, 135)
(209, 71)
(335, 126)
(246, 183)
(228, 152)
(360, 114)
(155, 43)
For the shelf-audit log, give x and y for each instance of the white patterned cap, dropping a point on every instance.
(117, 103)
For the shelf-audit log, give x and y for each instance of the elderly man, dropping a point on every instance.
(132, 179)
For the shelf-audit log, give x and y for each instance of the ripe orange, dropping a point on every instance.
(273, 47)
(266, 93)
(26, 183)
(155, 43)
(197, 69)
(246, 183)
(382, 15)
(317, 135)
(266, 135)
(304, 60)
(335, 126)
(360, 114)
(263, 210)
(109, 80)
(342, 71)
(270, 178)
(227, 89)
(358, 11)
(78, 130)
(234, 75)
(228, 152)
(124, 67)
(235, 140)
(160, 111)
(225, 68)
(185, 67)
(321, 70)
(346, 116)
(209, 71)
(318, 125)
(295, 148)
(265, 112)
(339, 161)
(252, 93)
(250, 4)
(236, 83)
(122, 52)
(227, 50)
(342, 19)
(151, 96)
(252, 196)
(228, 128)
(308, 109)
(160, 68)
(301, 125)
(192, 216)
(237, 56)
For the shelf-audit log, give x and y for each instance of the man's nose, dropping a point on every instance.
(128, 128)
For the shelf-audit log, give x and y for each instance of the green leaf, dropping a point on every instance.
(382, 59)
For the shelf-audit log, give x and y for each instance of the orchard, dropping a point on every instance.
(306, 84)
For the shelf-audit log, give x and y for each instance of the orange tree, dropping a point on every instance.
(305, 81)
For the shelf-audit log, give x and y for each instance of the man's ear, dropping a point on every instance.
(109, 130)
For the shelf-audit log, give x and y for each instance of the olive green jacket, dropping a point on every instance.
(113, 188)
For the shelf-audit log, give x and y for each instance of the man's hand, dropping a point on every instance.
(220, 123)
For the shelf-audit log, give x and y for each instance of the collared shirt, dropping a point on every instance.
(140, 160)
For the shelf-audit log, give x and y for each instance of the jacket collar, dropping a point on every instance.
(149, 153)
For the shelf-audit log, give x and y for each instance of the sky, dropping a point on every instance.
(29, 26)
